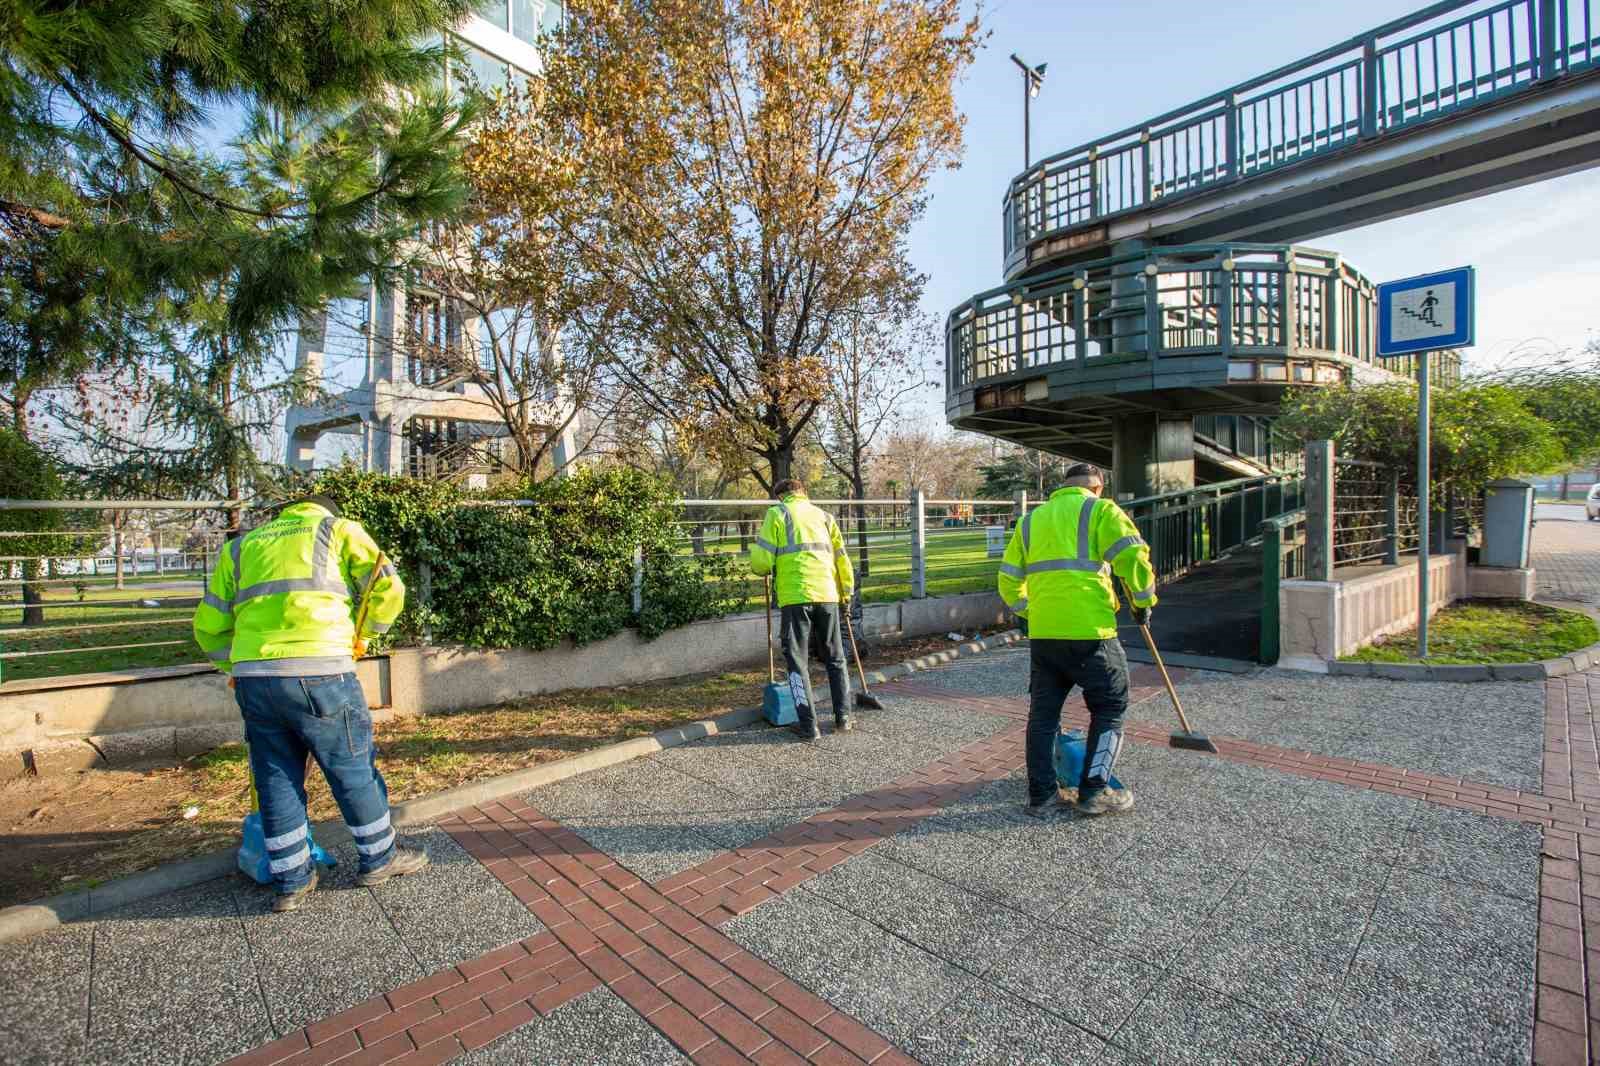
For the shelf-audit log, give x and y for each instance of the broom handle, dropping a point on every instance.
(1150, 642)
(766, 601)
(844, 606)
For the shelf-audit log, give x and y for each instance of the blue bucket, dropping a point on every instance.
(1071, 750)
(253, 851)
(777, 703)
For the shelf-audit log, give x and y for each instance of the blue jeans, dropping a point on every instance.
(1100, 668)
(287, 719)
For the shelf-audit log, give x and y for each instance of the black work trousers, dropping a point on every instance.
(799, 620)
(1100, 668)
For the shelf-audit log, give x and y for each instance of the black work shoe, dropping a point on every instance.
(843, 723)
(290, 901)
(806, 730)
(407, 860)
(1107, 801)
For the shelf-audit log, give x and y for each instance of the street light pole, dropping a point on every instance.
(1032, 82)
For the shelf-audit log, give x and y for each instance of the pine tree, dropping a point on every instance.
(134, 247)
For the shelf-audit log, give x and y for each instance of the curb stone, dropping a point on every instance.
(1561, 666)
(27, 919)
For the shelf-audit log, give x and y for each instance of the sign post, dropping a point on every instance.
(1421, 315)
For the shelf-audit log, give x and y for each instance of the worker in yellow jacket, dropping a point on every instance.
(289, 607)
(800, 543)
(1057, 573)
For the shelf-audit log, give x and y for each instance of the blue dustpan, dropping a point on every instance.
(1070, 753)
(777, 704)
(253, 851)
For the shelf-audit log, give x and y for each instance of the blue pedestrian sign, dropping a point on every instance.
(1427, 313)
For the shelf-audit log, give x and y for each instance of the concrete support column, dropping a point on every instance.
(1152, 454)
(1319, 510)
(389, 335)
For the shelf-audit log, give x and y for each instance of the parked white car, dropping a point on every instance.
(1591, 506)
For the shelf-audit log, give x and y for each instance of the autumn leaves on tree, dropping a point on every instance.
(718, 191)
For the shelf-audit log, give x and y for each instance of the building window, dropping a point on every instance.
(495, 13)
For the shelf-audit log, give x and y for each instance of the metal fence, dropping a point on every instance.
(98, 596)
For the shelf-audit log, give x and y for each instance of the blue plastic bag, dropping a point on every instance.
(253, 851)
(1070, 752)
(777, 703)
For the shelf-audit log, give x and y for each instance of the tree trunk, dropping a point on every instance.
(32, 595)
(1566, 484)
(116, 553)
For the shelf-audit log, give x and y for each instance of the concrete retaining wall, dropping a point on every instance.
(1322, 620)
(58, 724)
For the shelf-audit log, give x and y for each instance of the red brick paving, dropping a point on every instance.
(658, 947)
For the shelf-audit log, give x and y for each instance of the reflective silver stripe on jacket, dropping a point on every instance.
(1010, 570)
(379, 627)
(1027, 521)
(766, 546)
(1083, 563)
(1123, 545)
(1020, 606)
(221, 655)
(322, 546)
(801, 546)
(292, 584)
(211, 599)
(233, 551)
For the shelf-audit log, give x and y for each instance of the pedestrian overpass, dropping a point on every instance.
(1460, 99)
(1155, 307)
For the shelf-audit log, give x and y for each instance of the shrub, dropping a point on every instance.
(531, 576)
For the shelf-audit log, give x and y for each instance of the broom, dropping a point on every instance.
(1187, 739)
(864, 698)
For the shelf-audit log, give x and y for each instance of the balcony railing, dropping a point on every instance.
(1444, 59)
(1262, 305)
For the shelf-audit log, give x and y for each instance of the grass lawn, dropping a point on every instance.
(92, 625)
(75, 830)
(1489, 631)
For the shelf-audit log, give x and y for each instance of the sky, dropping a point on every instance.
(1112, 65)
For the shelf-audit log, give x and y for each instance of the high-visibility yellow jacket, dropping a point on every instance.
(1058, 566)
(802, 543)
(283, 598)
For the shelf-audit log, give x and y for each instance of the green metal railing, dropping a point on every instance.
(1272, 302)
(1283, 558)
(1204, 524)
(1447, 58)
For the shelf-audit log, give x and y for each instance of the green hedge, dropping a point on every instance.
(533, 576)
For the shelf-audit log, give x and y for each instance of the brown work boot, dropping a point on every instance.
(407, 860)
(290, 901)
(1107, 801)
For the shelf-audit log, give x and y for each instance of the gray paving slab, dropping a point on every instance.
(1337, 818)
(44, 997)
(174, 982)
(989, 1027)
(886, 983)
(338, 949)
(426, 908)
(1001, 672)
(596, 1029)
(1181, 1022)
(1424, 922)
(1438, 1017)
(1486, 732)
(943, 919)
(1474, 849)
(1085, 982)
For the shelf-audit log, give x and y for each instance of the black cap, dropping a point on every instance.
(327, 503)
(1085, 470)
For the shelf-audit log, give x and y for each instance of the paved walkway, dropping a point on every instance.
(1371, 872)
(1566, 554)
